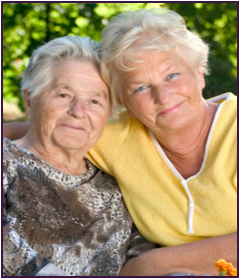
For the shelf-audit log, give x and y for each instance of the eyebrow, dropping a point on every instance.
(56, 86)
(65, 86)
(103, 93)
(137, 83)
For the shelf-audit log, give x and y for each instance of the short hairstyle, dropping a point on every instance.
(169, 30)
(38, 73)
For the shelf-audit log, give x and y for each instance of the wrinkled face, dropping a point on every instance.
(164, 91)
(72, 110)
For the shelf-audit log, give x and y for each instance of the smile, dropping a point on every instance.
(73, 127)
(171, 110)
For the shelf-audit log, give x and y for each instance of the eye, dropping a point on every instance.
(171, 76)
(94, 101)
(63, 95)
(141, 88)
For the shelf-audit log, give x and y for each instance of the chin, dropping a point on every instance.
(71, 144)
(71, 147)
(176, 124)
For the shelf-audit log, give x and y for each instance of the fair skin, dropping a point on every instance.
(67, 116)
(196, 257)
(165, 93)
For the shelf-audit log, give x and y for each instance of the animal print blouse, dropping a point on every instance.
(56, 224)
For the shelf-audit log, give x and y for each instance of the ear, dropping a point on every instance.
(27, 104)
(201, 79)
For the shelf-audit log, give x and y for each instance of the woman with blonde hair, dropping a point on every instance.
(173, 153)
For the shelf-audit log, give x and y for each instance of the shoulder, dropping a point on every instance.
(117, 130)
(12, 153)
(106, 183)
(113, 135)
(6, 144)
(8, 153)
(224, 134)
(120, 125)
(229, 109)
(9, 163)
(228, 100)
(231, 104)
(109, 195)
(226, 115)
(117, 134)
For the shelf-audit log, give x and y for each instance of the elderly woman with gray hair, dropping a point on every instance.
(172, 152)
(62, 215)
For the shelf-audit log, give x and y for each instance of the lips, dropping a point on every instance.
(171, 110)
(73, 127)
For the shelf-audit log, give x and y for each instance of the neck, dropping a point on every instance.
(66, 160)
(185, 148)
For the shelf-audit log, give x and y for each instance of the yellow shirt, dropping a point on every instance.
(167, 209)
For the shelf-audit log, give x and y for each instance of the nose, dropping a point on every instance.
(77, 109)
(161, 95)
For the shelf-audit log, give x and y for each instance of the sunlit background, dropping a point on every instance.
(28, 25)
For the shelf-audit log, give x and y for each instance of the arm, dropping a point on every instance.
(196, 257)
(15, 131)
(138, 244)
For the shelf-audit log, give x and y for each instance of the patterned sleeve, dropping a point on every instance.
(138, 244)
(19, 259)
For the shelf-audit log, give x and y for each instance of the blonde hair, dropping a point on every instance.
(160, 30)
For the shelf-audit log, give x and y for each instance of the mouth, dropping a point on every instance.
(78, 128)
(171, 110)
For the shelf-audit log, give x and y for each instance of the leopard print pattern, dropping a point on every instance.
(77, 223)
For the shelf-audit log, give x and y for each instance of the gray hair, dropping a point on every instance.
(127, 28)
(38, 73)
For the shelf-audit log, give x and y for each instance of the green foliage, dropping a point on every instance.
(28, 25)
(216, 23)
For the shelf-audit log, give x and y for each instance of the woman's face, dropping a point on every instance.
(72, 110)
(164, 91)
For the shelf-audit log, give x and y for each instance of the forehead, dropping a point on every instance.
(78, 74)
(156, 56)
(140, 62)
(74, 68)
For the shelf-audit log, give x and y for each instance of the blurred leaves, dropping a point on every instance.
(216, 23)
(28, 25)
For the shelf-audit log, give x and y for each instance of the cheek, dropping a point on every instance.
(98, 122)
(142, 103)
(183, 87)
(45, 119)
(102, 121)
(189, 88)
